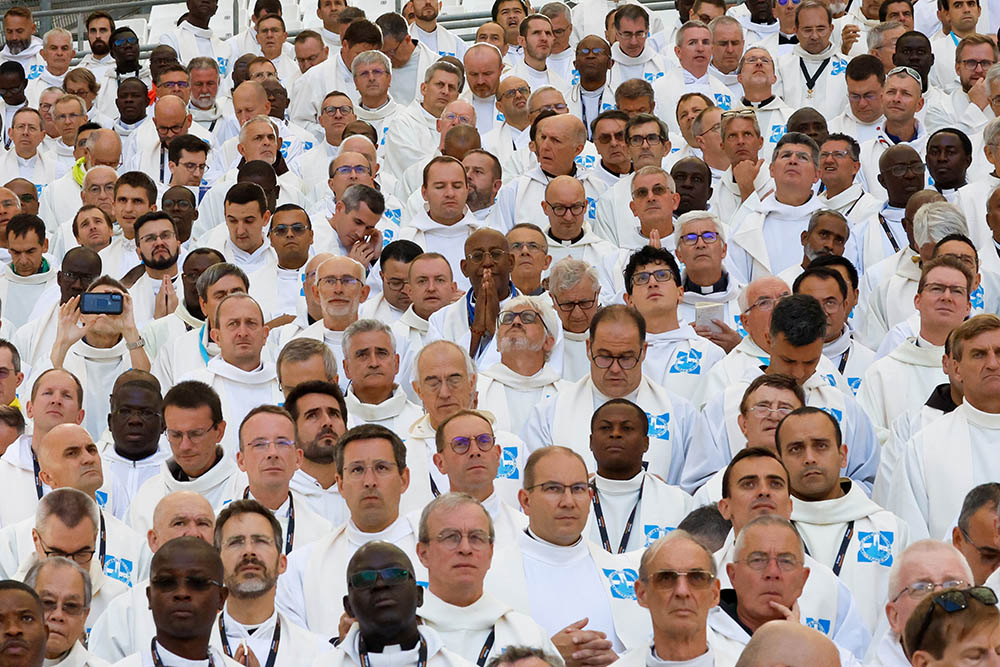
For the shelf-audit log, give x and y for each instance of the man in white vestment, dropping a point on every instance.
(154, 294)
(242, 374)
(864, 79)
(193, 37)
(575, 289)
(902, 380)
(924, 567)
(371, 475)
(135, 195)
(813, 73)
(393, 267)
(745, 175)
(827, 233)
(372, 73)
(26, 158)
(840, 161)
(526, 334)
(372, 365)
(30, 272)
(841, 527)
(756, 484)
(975, 534)
(249, 540)
(565, 205)
(65, 584)
(634, 56)
(242, 240)
(677, 572)
(677, 357)
(617, 349)
(509, 141)
(630, 508)
(68, 523)
(457, 545)
(483, 66)
(192, 413)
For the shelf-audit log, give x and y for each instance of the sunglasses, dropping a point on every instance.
(953, 600)
(390, 576)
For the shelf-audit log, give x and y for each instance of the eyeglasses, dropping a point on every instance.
(345, 110)
(530, 246)
(661, 276)
(72, 277)
(918, 589)
(952, 601)
(900, 170)
(867, 97)
(390, 576)
(174, 84)
(69, 608)
(165, 235)
(181, 204)
(753, 60)
(625, 362)
(597, 51)
(759, 561)
(347, 170)
(986, 553)
(397, 283)
(193, 166)
(81, 556)
(129, 41)
(558, 488)
(263, 444)
(785, 2)
(707, 237)
(435, 383)
(907, 71)
(331, 281)
(668, 579)
(452, 539)
(127, 413)
(523, 91)
(638, 34)
(462, 444)
(496, 254)
(356, 471)
(762, 411)
(559, 108)
(939, 289)
(584, 304)
(560, 209)
(639, 139)
(371, 73)
(63, 117)
(657, 190)
(108, 189)
(764, 303)
(167, 583)
(973, 64)
(839, 155)
(526, 317)
(739, 113)
(453, 117)
(297, 229)
(193, 435)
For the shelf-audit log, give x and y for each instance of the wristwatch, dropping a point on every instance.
(136, 345)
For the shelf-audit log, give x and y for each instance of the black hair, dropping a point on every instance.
(650, 255)
(799, 318)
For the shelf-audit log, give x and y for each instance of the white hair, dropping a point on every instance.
(916, 551)
(541, 305)
(698, 216)
(57, 31)
(936, 220)
(470, 365)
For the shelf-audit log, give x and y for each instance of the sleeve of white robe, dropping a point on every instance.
(870, 398)
(537, 429)
(851, 633)
(862, 445)
(907, 496)
(290, 594)
(110, 638)
(692, 432)
(711, 453)
(506, 203)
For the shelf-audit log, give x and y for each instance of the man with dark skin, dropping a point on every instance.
(949, 155)
(80, 267)
(490, 278)
(23, 632)
(179, 203)
(185, 594)
(900, 187)
(760, 12)
(593, 65)
(131, 101)
(913, 49)
(125, 51)
(811, 122)
(135, 421)
(693, 180)
(196, 264)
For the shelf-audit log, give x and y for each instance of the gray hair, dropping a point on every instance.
(992, 74)
(55, 90)
(991, 134)
(876, 36)
(697, 216)
(766, 520)
(568, 272)
(985, 495)
(470, 365)
(442, 66)
(70, 506)
(694, 23)
(653, 170)
(542, 89)
(556, 8)
(819, 213)
(936, 220)
(31, 577)
(673, 536)
(726, 119)
(447, 502)
(739, 68)
(217, 272)
(370, 58)
(366, 326)
(303, 349)
(725, 19)
(917, 551)
(203, 62)
(539, 304)
(62, 32)
(260, 118)
(513, 654)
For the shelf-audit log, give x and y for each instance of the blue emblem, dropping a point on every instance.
(119, 568)
(621, 582)
(223, 65)
(740, 330)
(777, 131)
(585, 161)
(605, 106)
(976, 298)
(839, 67)
(652, 76)
(508, 464)
(35, 71)
(39, 188)
(394, 215)
(821, 624)
(854, 384)
(284, 148)
(500, 117)
(875, 547)
(574, 76)
(837, 414)
(830, 379)
(387, 236)
(307, 145)
(659, 425)
(447, 53)
(654, 532)
(687, 361)
(591, 208)
(723, 101)
(102, 498)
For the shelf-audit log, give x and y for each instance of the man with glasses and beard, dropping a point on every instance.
(248, 538)
(153, 293)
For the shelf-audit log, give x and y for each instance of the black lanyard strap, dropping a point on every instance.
(888, 232)
(843, 360)
(272, 654)
(38, 470)
(487, 647)
(602, 525)
(103, 541)
(839, 561)
(158, 661)
(811, 80)
(290, 515)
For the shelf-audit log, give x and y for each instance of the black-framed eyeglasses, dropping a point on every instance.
(583, 304)
(707, 237)
(462, 444)
(900, 170)
(639, 139)
(560, 209)
(390, 576)
(625, 362)
(496, 254)
(526, 316)
(660, 275)
(82, 556)
(953, 600)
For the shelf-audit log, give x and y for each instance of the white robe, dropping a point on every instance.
(659, 507)
(40, 169)
(413, 133)
(887, 292)
(448, 240)
(759, 244)
(18, 294)
(871, 151)
(678, 360)
(180, 356)
(509, 396)
(296, 646)
(396, 413)
(328, 503)
(347, 655)
(520, 200)
(849, 124)
(308, 526)
(830, 94)
(189, 41)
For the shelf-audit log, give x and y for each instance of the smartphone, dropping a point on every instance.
(101, 303)
(706, 311)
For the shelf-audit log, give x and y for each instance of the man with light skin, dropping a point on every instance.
(204, 106)
(530, 248)
(966, 107)
(485, 177)
(483, 64)
(975, 535)
(493, 33)
(536, 40)
(727, 51)
(457, 113)
(69, 113)
(562, 55)
(372, 365)
(25, 160)
(410, 56)
(29, 274)
(245, 244)
(357, 213)
(706, 131)
(335, 113)
(814, 28)
(742, 143)
(757, 78)
(310, 50)
(147, 151)
(809, 443)
(508, 141)
(575, 289)
(565, 205)
(57, 53)
(608, 133)
(58, 201)
(861, 119)
(924, 567)
(372, 74)
(633, 56)
(456, 574)
(839, 163)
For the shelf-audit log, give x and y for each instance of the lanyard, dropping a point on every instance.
(487, 646)
(843, 360)
(811, 80)
(366, 661)
(38, 479)
(848, 211)
(103, 541)
(434, 487)
(163, 164)
(158, 662)
(290, 537)
(583, 106)
(206, 357)
(212, 126)
(272, 654)
(839, 561)
(602, 526)
(888, 232)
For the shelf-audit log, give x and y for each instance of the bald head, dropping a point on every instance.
(181, 513)
(104, 147)
(566, 124)
(790, 644)
(359, 143)
(249, 100)
(897, 153)
(56, 440)
(564, 187)
(485, 234)
(482, 54)
(338, 266)
(100, 173)
(460, 140)
(318, 259)
(169, 108)
(918, 199)
(460, 108)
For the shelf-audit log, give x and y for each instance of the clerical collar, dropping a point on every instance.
(757, 105)
(787, 39)
(566, 242)
(551, 176)
(941, 398)
(727, 602)
(609, 170)
(721, 285)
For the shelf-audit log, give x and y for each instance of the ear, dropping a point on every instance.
(742, 423)
(422, 554)
(640, 593)
(214, 333)
(524, 500)
(439, 462)
(347, 600)
(241, 460)
(843, 455)
(724, 509)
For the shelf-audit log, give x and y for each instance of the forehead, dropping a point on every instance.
(459, 517)
(430, 266)
(681, 554)
(930, 564)
(338, 266)
(810, 426)
(270, 20)
(486, 240)
(946, 139)
(812, 15)
(618, 412)
(471, 424)
(446, 170)
(368, 447)
(799, 148)
(945, 273)
(902, 81)
(772, 536)
(697, 33)
(611, 124)
(289, 216)
(648, 180)
(265, 423)
(757, 466)
(378, 558)
(158, 224)
(511, 82)
(558, 466)
(443, 357)
(956, 247)
(260, 127)
(56, 380)
(524, 233)
(615, 329)
(769, 393)
(60, 579)
(371, 339)
(828, 221)
(240, 308)
(246, 523)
